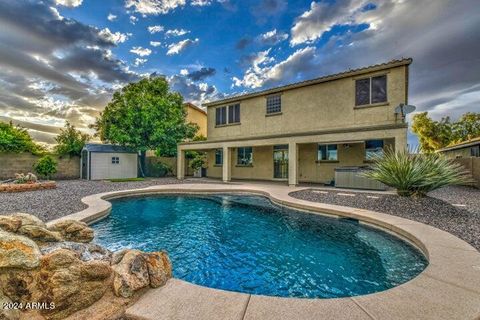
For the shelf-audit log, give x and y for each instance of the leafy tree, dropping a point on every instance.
(434, 135)
(45, 167)
(16, 139)
(146, 115)
(71, 141)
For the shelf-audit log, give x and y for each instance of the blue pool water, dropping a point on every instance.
(247, 244)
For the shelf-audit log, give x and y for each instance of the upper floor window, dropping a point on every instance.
(218, 157)
(227, 114)
(371, 90)
(245, 156)
(373, 148)
(327, 152)
(274, 104)
(475, 151)
(115, 160)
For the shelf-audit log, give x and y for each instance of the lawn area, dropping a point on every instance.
(127, 180)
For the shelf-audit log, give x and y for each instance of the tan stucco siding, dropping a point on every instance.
(199, 118)
(322, 106)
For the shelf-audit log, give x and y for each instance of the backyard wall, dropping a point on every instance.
(151, 160)
(473, 165)
(11, 163)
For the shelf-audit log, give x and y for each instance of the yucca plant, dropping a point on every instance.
(416, 174)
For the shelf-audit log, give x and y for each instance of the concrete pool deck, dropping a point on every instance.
(449, 288)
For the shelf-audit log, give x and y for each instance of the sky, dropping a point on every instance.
(61, 60)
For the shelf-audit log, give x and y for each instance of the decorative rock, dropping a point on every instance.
(117, 256)
(159, 268)
(39, 233)
(10, 224)
(74, 230)
(84, 251)
(28, 219)
(18, 251)
(6, 313)
(130, 274)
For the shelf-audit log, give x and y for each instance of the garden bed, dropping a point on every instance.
(20, 187)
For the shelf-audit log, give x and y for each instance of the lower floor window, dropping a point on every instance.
(373, 149)
(327, 152)
(115, 160)
(245, 156)
(218, 157)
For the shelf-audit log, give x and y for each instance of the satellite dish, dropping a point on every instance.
(404, 109)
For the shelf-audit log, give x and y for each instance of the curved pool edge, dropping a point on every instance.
(448, 288)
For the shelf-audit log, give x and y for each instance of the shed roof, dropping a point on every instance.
(465, 144)
(107, 148)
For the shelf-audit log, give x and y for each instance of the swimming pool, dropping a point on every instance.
(247, 244)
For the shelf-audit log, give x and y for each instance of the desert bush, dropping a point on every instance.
(25, 178)
(45, 167)
(416, 174)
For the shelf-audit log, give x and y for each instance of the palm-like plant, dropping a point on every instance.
(416, 174)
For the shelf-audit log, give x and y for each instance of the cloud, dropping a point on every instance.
(196, 93)
(116, 37)
(268, 8)
(176, 48)
(142, 52)
(243, 43)
(200, 74)
(176, 32)
(264, 73)
(155, 29)
(111, 17)
(201, 3)
(322, 16)
(272, 37)
(155, 43)
(139, 61)
(133, 20)
(153, 7)
(69, 3)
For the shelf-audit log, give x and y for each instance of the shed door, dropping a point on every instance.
(84, 164)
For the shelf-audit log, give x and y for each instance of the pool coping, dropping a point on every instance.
(449, 288)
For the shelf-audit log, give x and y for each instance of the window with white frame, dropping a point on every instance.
(115, 160)
(274, 104)
(218, 157)
(227, 114)
(373, 149)
(244, 156)
(371, 90)
(327, 152)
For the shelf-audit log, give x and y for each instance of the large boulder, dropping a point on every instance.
(84, 251)
(130, 273)
(18, 252)
(29, 219)
(38, 233)
(7, 313)
(10, 224)
(73, 230)
(159, 268)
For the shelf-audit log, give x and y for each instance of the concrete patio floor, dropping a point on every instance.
(449, 288)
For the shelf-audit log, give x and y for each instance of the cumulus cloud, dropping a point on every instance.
(133, 19)
(176, 48)
(155, 29)
(201, 3)
(196, 93)
(69, 3)
(139, 61)
(116, 37)
(153, 7)
(243, 43)
(155, 43)
(176, 32)
(140, 51)
(111, 17)
(200, 74)
(322, 16)
(272, 37)
(268, 8)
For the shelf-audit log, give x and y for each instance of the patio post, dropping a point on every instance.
(227, 160)
(180, 164)
(292, 164)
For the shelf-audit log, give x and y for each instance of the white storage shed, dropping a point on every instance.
(108, 161)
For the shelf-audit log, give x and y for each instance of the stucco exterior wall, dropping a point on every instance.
(11, 163)
(198, 117)
(102, 167)
(321, 106)
(458, 153)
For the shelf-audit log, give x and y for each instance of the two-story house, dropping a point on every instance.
(301, 132)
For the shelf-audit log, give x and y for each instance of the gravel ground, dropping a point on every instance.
(66, 198)
(437, 209)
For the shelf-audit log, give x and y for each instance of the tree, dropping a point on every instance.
(71, 141)
(16, 139)
(434, 135)
(146, 115)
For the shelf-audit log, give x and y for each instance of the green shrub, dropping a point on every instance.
(200, 161)
(45, 167)
(162, 169)
(416, 174)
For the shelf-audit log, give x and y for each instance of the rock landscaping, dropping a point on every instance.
(56, 272)
(25, 182)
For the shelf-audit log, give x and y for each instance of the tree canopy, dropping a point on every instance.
(146, 115)
(16, 139)
(70, 141)
(434, 135)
